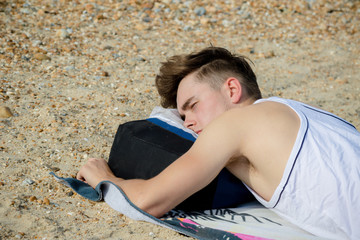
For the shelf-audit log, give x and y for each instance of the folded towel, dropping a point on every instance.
(248, 222)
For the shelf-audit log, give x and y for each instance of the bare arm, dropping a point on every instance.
(190, 173)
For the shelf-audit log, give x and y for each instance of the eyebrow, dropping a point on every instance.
(186, 105)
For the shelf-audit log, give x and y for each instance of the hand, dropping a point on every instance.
(95, 171)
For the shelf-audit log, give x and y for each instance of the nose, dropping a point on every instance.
(189, 123)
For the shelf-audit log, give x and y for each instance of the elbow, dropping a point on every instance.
(148, 197)
(155, 209)
(155, 212)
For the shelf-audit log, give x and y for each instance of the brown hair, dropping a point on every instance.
(212, 64)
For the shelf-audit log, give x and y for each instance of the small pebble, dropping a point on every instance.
(140, 27)
(140, 59)
(69, 68)
(33, 198)
(105, 74)
(46, 201)
(25, 10)
(200, 11)
(26, 58)
(62, 34)
(28, 181)
(5, 112)
(116, 56)
(147, 19)
(54, 169)
(108, 47)
(41, 56)
(341, 81)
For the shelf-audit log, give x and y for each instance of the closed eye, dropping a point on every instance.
(193, 105)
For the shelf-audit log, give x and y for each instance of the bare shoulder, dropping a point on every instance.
(264, 111)
(261, 135)
(258, 121)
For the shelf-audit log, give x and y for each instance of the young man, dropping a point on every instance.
(300, 161)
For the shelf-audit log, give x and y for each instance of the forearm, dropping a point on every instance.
(158, 195)
(140, 193)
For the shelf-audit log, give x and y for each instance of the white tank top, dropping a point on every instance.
(320, 187)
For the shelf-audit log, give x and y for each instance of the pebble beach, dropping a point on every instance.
(71, 71)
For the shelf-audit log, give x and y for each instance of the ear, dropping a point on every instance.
(234, 89)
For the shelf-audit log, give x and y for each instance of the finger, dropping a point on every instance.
(79, 176)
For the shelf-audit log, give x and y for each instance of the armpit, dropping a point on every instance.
(240, 167)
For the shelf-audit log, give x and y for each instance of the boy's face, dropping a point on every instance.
(198, 103)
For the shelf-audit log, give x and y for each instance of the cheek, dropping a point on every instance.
(206, 115)
(214, 110)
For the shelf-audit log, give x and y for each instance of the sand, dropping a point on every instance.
(72, 71)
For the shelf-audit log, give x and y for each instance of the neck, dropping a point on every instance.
(245, 102)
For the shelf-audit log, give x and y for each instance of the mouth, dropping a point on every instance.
(198, 132)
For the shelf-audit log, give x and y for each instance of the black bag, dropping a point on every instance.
(142, 149)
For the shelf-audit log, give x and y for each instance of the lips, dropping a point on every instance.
(198, 132)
